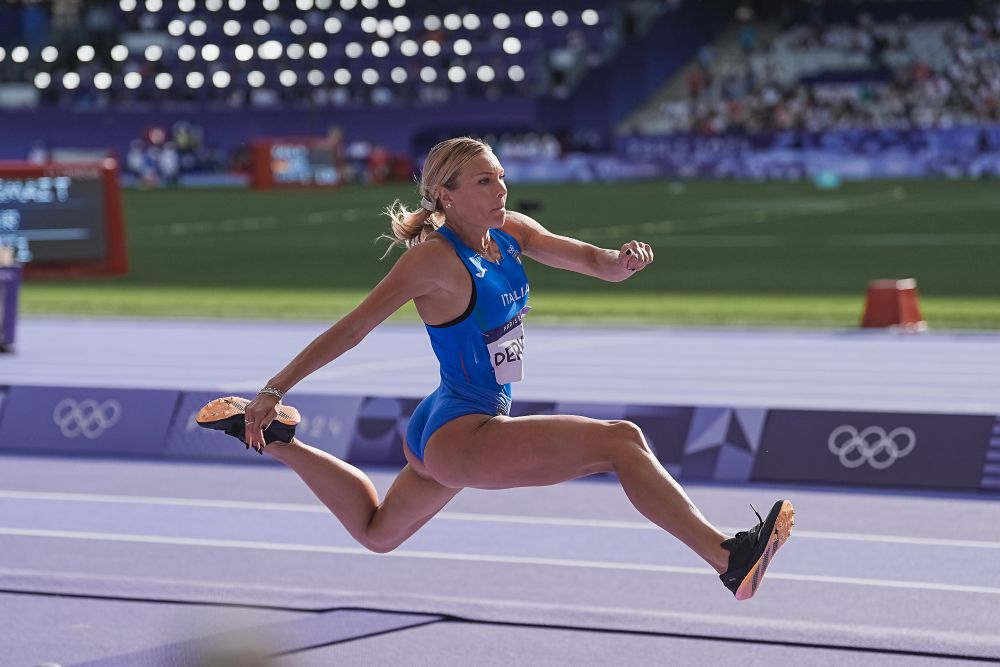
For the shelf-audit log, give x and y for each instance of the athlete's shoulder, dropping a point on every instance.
(521, 227)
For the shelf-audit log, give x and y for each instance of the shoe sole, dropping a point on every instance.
(222, 414)
(781, 530)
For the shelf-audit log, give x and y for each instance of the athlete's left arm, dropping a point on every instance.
(563, 252)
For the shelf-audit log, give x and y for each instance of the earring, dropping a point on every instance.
(447, 205)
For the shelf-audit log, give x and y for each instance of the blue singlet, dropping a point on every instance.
(480, 351)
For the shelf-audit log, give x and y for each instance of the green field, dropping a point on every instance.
(726, 253)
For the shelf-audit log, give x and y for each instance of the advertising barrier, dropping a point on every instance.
(711, 443)
(86, 421)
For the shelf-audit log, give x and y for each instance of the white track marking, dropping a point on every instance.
(465, 516)
(477, 558)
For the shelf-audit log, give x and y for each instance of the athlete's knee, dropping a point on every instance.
(380, 547)
(627, 439)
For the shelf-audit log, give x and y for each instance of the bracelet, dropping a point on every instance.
(273, 391)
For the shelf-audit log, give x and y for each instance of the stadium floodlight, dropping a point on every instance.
(560, 18)
(3, 54)
(456, 74)
(369, 76)
(214, 6)
(85, 53)
(271, 5)
(102, 80)
(380, 49)
(501, 21)
(197, 27)
(317, 50)
(231, 27)
(295, 51)
(332, 25)
(369, 24)
(485, 73)
(186, 52)
(50, 54)
(324, 5)
(243, 52)
(590, 17)
(42, 80)
(511, 45)
(385, 29)
(210, 52)
(261, 27)
(119, 53)
(19, 54)
(287, 78)
(409, 48)
(398, 75)
(471, 22)
(153, 52)
(176, 27)
(154, 5)
(515, 73)
(432, 22)
(195, 80)
(369, 4)
(342, 77)
(397, 4)
(255, 78)
(133, 80)
(402, 23)
(428, 74)
(221, 79)
(163, 80)
(348, 5)
(354, 50)
(304, 6)
(533, 19)
(269, 50)
(185, 5)
(452, 22)
(315, 77)
(237, 5)
(127, 5)
(431, 48)
(71, 80)
(462, 47)
(298, 27)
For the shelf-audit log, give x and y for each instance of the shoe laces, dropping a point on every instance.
(746, 534)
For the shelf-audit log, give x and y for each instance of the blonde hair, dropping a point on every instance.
(442, 166)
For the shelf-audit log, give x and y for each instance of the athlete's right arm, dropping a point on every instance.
(412, 276)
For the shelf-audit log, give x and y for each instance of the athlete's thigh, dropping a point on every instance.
(502, 452)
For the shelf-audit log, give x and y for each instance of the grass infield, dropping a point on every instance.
(726, 253)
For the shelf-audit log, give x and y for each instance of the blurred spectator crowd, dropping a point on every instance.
(817, 76)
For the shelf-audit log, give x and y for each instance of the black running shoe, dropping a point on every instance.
(751, 551)
(229, 415)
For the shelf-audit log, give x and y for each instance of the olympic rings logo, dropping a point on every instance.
(872, 445)
(87, 418)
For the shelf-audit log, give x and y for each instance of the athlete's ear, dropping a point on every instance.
(445, 196)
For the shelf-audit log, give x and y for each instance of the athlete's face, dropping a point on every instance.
(480, 194)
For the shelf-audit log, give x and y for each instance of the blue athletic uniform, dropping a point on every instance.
(481, 351)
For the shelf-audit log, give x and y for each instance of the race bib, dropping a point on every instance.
(506, 348)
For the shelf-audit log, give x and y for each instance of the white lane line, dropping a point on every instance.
(476, 558)
(477, 517)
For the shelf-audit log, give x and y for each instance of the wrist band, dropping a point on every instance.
(273, 391)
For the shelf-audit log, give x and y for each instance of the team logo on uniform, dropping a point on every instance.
(514, 253)
(477, 261)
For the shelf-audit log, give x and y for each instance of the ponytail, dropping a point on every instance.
(408, 227)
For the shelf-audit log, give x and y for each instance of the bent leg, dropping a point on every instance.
(503, 452)
(346, 491)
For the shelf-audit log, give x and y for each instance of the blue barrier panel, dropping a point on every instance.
(378, 432)
(722, 443)
(76, 420)
(327, 423)
(884, 449)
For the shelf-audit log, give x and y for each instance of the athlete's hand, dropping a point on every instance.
(635, 256)
(260, 412)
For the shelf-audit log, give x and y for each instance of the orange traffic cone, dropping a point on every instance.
(893, 303)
